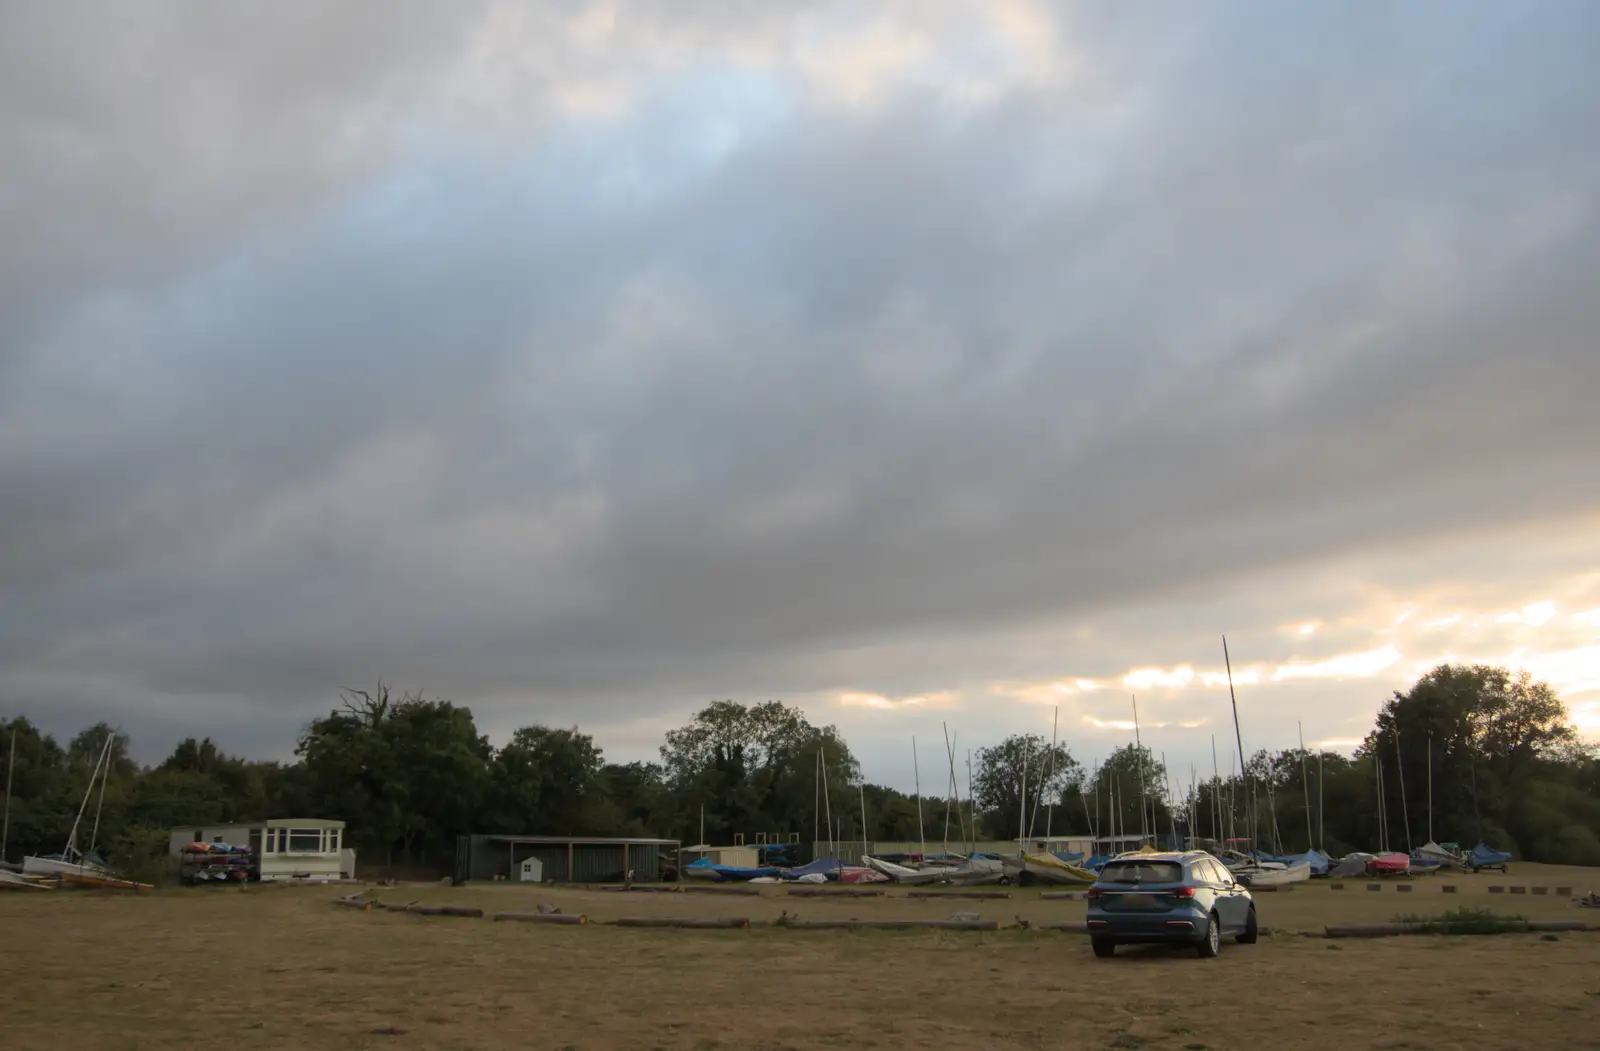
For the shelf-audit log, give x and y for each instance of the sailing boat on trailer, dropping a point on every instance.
(72, 865)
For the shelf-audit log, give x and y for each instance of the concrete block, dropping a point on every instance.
(1374, 886)
(1519, 890)
(1565, 892)
(1496, 890)
(1336, 886)
(1540, 890)
(1403, 888)
(1449, 888)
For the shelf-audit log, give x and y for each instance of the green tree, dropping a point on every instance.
(997, 783)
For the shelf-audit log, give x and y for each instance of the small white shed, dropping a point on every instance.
(531, 871)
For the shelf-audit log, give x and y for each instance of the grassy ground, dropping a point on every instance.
(260, 968)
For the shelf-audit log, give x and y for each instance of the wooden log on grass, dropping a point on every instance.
(538, 917)
(748, 891)
(690, 922)
(1558, 925)
(982, 895)
(651, 888)
(842, 892)
(354, 903)
(1068, 928)
(447, 910)
(891, 925)
(1059, 895)
(1372, 930)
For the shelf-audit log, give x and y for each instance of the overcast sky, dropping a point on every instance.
(917, 363)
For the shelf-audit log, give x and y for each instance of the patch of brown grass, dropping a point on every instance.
(283, 968)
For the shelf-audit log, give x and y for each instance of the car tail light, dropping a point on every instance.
(1183, 892)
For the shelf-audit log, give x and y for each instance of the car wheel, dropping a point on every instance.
(1103, 947)
(1212, 941)
(1250, 933)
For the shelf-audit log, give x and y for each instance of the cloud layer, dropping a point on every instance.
(586, 364)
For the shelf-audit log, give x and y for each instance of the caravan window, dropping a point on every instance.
(305, 841)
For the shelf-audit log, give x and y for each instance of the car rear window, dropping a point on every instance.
(1142, 872)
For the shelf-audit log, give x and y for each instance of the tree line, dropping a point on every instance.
(410, 773)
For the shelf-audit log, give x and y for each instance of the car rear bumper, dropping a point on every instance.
(1168, 927)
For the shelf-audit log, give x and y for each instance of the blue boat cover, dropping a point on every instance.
(1316, 859)
(730, 872)
(1070, 857)
(1484, 854)
(824, 866)
(1096, 863)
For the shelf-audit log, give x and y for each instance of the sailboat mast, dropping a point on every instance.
(1022, 808)
(1322, 825)
(72, 836)
(11, 772)
(1400, 766)
(1238, 737)
(1216, 793)
(1139, 746)
(863, 789)
(916, 772)
(949, 784)
(816, 803)
(1430, 786)
(1383, 838)
(1088, 815)
(1305, 787)
(972, 806)
(827, 807)
(1050, 803)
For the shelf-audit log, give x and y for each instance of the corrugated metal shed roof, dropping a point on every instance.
(580, 841)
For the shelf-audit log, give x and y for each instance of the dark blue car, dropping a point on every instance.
(1187, 898)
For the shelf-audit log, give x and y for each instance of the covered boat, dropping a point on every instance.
(1390, 865)
(857, 874)
(705, 868)
(1484, 856)
(1299, 872)
(1351, 865)
(904, 873)
(1434, 852)
(1045, 868)
(827, 868)
(1318, 862)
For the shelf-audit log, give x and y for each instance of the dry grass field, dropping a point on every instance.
(262, 967)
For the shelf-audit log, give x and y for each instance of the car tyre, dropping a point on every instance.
(1103, 947)
(1251, 932)
(1211, 941)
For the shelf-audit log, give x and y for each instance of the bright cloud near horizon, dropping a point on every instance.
(934, 366)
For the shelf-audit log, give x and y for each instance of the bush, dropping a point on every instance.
(1465, 921)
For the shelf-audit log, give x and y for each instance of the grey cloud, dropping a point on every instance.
(505, 422)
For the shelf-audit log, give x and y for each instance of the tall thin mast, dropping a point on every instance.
(1430, 786)
(950, 784)
(816, 803)
(972, 805)
(827, 808)
(1322, 825)
(863, 789)
(11, 772)
(1139, 747)
(1050, 805)
(1383, 836)
(1083, 797)
(1400, 765)
(1022, 808)
(10, 776)
(1305, 788)
(916, 772)
(1239, 739)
